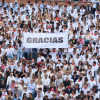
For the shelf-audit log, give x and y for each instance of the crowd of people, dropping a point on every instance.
(71, 73)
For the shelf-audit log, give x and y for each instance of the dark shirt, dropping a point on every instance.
(2, 86)
(75, 78)
(66, 83)
(2, 78)
(30, 98)
(68, 91)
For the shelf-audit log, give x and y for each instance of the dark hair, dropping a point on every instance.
(0, 93)
(40, 89)
(19, 41)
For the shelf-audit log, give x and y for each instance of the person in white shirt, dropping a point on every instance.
(39, 97)
(94, 5)
(20, 50)
(18, 67)
(10, 78)
(40, 58)
(85, 88)
(46, 81)
(10, 52)
(49, 93)
(26, 79)
(1, 96)
(1, 55)
(32, 86)
(58, 80)
(69, 8)
(92, 82)
(79, 81)
(26, 91)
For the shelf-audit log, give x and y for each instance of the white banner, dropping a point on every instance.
(45, 40)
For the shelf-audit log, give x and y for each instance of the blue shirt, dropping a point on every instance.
(5, 4)
(16, 5)
(31, 87)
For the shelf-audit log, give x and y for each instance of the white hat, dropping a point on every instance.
(9, 89)
(74, 46)
(16, 85)
(45, 69)
(82, 72)
(0, 73)
(45, 94)
(71, 80)
(67, 77)
(61, 96)
(16, 1)
(13, 79)
(4, 20)
(54, 93)
(25, 86)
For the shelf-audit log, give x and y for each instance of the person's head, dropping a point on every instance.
(0, 94)
(9, 91)
(81, 93)
(49, 90)
(90, 67)
(61, 97)
(80, 78)
(73, 92)
(92, 78)
(32, 81)
(85, 85)
(16, 87)
(39, 90)
(65, 62)
(88, 93)
(28, 2)
(75, 73)
(90, 73)
(54, 95)
(39, 54)
(30, 95)
(13, 81)
(10, 98)
(80, 38)
(11, 74)
(67, 79)
(94, 63)
(76, 85)
(24, 95)
(46, 76)
(61, 85)
(26, 75)
(0, 74)
(39, 82)
(2, 81)
(59, 61)
(45, 97)
(22, 82)
(59, 76)
(25, 88)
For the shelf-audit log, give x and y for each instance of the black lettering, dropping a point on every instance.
(40, 40)
(51, 40)
(60, 39)
(34, 40)
(29, 40)
(54, 40)
(46, 40)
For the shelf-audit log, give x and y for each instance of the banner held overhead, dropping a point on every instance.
(45, 40)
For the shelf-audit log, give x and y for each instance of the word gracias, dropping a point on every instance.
(45, 40)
